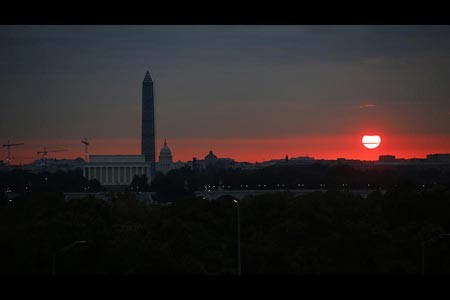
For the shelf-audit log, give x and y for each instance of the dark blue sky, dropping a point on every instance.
(224, 82)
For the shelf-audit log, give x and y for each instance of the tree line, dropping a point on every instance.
(332, 233)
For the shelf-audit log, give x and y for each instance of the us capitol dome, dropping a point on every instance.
(165, 162)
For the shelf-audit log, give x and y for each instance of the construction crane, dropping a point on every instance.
(45, 152)
(86, 144)
(8, 146)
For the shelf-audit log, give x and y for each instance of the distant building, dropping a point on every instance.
(226, 162)
(438, 157)
(165, 162)
(148, 143)
(386, 158)
(210, 159)
(116, 170)
(342, 161)
(302, 160)
(195, 165)
(121, 169)
(53, 165)
(245, 166)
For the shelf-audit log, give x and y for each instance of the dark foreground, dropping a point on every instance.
(330, 234)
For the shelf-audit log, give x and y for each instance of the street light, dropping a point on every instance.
(61, 251)
(425, 244)
(238, 237)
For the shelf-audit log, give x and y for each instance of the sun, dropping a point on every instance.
(371, 141)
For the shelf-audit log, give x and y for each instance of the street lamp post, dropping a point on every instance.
(61, 251)
(427, 243)
(238, 237)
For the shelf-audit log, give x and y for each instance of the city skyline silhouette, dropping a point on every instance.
(251, 93)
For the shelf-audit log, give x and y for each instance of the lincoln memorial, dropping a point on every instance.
(116, 169)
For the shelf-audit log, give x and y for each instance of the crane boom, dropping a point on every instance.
(45, 152)
(86, 144)
(8, 146)
(40, 152)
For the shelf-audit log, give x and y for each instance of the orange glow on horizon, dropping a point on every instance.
(250, 150)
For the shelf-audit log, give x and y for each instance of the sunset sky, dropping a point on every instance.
(251, 93)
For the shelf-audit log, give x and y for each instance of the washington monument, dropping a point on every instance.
(148, 123)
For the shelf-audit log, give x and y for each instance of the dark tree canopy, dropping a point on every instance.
(334, 232)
